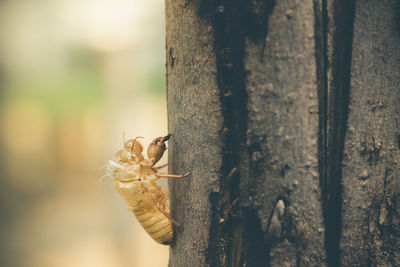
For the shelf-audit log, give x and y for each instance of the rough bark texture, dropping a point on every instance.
(371, 185)
(281, 168)
(195, 121)
(289, 122)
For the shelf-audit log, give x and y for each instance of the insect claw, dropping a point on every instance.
(166, 138)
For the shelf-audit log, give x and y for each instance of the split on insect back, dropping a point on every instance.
(134, 179)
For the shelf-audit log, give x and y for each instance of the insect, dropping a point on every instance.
(134, 179)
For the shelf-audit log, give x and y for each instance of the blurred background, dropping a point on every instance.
(75, 75)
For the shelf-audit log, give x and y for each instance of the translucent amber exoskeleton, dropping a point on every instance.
(134, 178)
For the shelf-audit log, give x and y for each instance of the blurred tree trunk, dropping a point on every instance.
(287, 115)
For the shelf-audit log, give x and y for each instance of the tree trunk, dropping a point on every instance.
(287, 115)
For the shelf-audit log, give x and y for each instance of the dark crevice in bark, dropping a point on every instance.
(398, 141)
(321, 21)
(397, 15)
(321, 25)
(232, 21)
(229, 50)
(257, 251)
(338, 106)
(333, 74)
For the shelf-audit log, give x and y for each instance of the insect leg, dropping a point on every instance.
(160, 202)
(168, 216)
(160, 167)
(166, 175)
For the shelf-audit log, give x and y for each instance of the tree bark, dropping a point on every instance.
(288, 119)
(195, 121)
(371, 185)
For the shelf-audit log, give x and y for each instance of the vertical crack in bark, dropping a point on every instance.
(322, 83)
(321, 27)
(256, 247)
(232, 22)
(334, 29)
(229, 49)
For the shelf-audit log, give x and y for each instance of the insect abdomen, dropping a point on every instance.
(155, 223)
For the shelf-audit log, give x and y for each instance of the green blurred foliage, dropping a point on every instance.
(72, 91)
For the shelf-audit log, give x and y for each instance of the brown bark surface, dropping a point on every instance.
(195, 122)
(371, 164)
(288, 119)
(279, 177)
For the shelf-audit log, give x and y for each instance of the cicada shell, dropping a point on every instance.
(134, 179)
